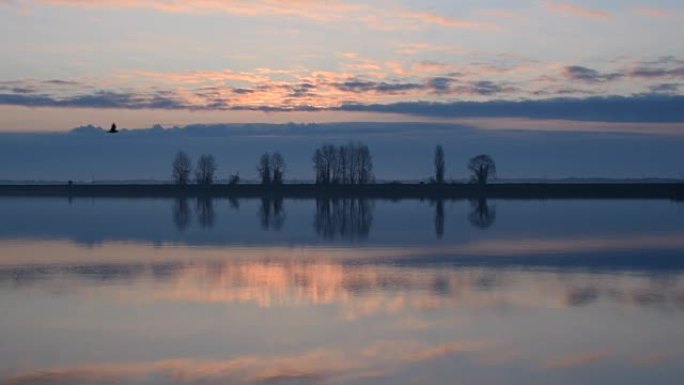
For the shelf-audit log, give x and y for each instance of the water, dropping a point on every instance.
(340, 292)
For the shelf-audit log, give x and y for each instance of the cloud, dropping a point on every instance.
(575, 10)
(313, 10)
(663, 105)
(484, 87)
(639, 108)
(98, 99)
(577, 360)
(589, 75)
(650, 72)
(655, 12)
(379, 87)
(445, 21)
(307, 9)
(666, 88)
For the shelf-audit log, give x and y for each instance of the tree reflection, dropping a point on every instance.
(439, 217)
(346, 218)
(271, 213)
(481, 216)
(206, 215)
(234, 203)
(181, 213)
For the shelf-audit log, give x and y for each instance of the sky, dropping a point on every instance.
(523, 64)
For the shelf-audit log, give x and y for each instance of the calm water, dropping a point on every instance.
(341, 292)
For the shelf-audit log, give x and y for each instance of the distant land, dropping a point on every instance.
(673, 191)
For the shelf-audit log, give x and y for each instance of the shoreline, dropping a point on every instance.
(672, 191)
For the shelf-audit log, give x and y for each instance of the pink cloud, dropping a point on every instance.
(429, 18)
(576, 360)
(315, 10)
(575, 10)
(660, 13)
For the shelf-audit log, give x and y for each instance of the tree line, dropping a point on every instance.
(349, 164)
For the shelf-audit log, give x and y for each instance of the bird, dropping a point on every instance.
(113, 130)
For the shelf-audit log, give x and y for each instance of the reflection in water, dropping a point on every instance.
(529, 301)
(223, 317)
(482, 216)
(234, 203)
(181, 213)
(439, 217)
(271, 214)
(344, 218)
(205, 212)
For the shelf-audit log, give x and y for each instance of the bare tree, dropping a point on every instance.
(483, 168)
(278, 168)
(348, 164)
(234, 179)
(181, 168)
(325, 164)
(439, 164)
(317, 159)
(264, 168)
(205, 170)
(342, 165)
(329, 163)
(363, 164)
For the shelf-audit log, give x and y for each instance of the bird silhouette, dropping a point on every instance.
(113, 130)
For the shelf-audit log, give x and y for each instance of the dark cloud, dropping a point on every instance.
(23, 90)
(661, 105)
(484, 87)
(360, 86)
(665, 88)
(640, 108)
(440, 84)
(302, 90)
(243, 91)
(99, 99)
(589, 75)
(649, 72)
(60, 82)
(664, 60)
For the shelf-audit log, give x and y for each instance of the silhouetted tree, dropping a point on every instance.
(318, 166)
(234, 179)
(325, 164)
(181, 168)
(264, 168)
(483, 168)
(439, 164)
(348, 164)
(205, 170)
(278, 168)
(363, 164)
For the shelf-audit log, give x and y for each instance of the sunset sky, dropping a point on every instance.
(67, 63)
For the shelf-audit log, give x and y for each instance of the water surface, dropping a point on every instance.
(117, 291)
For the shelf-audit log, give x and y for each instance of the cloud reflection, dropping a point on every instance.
(378, 359)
